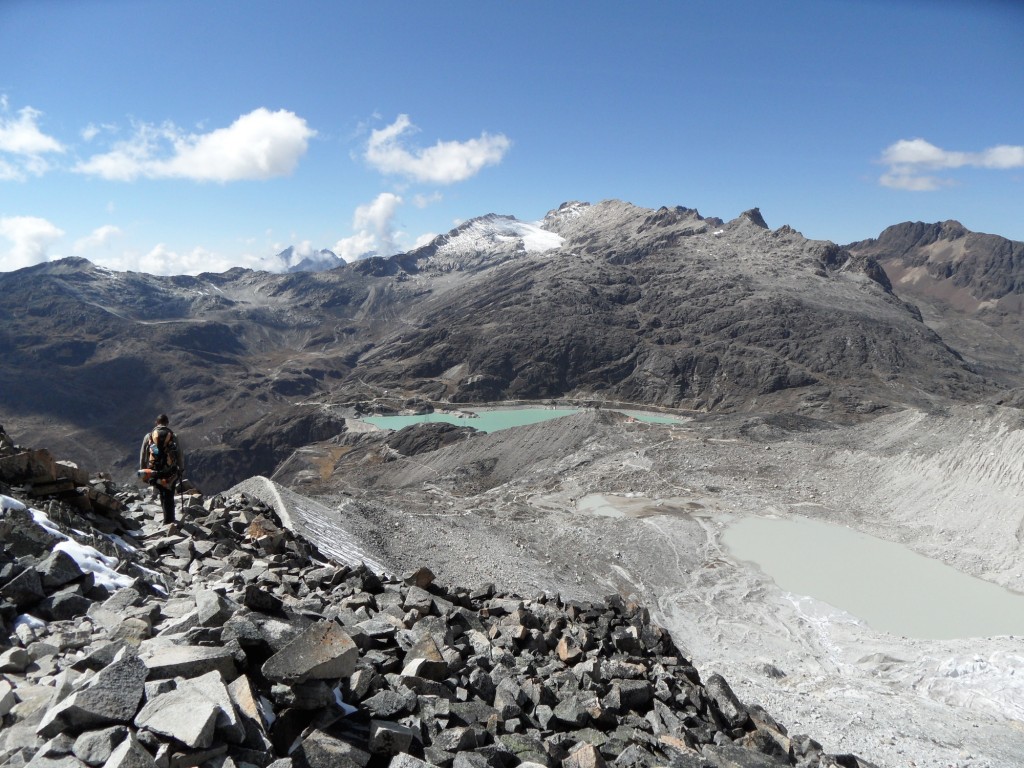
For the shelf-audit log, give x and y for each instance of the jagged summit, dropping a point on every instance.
(65, 265)
(943, 257)
(494, 230)
(968, 285)
(293, 259)
(481, 242)
(754, 217)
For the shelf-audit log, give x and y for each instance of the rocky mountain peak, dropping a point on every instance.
(64, 266)
(293, 259)
(753, 216)
(566, 212)
(901, 238)
(944, 257)
(483, 241)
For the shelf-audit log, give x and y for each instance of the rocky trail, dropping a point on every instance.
(233, 643)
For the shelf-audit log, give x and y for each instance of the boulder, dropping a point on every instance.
(322, 651)
(7, 698)
(422, 577)
(95, 747)
(24, 590)
(457, 739)
(724, 698)
(419, 600)
(212, 688)
(58, 569)
(319, 750)
(14, 660)
(22, 536)
(390, 738)
(732, 756)
(404, 760)
(187, 661)
(183, 715)
(55, 754)
(256, 599)
(213, 608)
(64, 605)
(388, 704)
(112, 696)
(130, 754)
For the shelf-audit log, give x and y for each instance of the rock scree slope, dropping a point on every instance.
(232, 642)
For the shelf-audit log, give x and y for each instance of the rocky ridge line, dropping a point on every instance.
(234, 644)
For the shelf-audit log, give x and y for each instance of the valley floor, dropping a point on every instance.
(517, 508)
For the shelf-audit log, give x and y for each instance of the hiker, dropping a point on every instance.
(162, 464)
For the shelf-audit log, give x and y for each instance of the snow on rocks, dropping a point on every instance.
(217, 646)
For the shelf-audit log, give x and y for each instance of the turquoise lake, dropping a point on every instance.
(504, 418)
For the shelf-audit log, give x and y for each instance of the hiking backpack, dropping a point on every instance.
(163, 449)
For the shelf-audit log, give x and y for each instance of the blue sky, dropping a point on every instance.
(180, 137)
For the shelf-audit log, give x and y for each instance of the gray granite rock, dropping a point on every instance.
(319, 750)
(95, 747)
(322, 651)
(213, 608)
(14, 660)
(389, 738)
(211, 687)
(130, 754)
(111, 696)
(183, 715)
(187, 661)
(58, 569)
(25, 589)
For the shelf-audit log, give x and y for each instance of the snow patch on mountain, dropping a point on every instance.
(570, 210)
(488, 232)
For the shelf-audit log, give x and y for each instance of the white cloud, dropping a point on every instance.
(909, 160)
(259, 145)
(425, 239)
(20, 136)
(373, 229)
(30, 238)
(912, 182)
(164, 260)
(446, 162)
(424, 201)
(91, 131)
(9, 171)
(1003, 157)
(99, 238)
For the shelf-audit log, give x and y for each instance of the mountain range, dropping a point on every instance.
(596, 304)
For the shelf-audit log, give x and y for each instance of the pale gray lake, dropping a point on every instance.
(887, 585)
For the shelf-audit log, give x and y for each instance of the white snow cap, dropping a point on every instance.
(487, 231)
